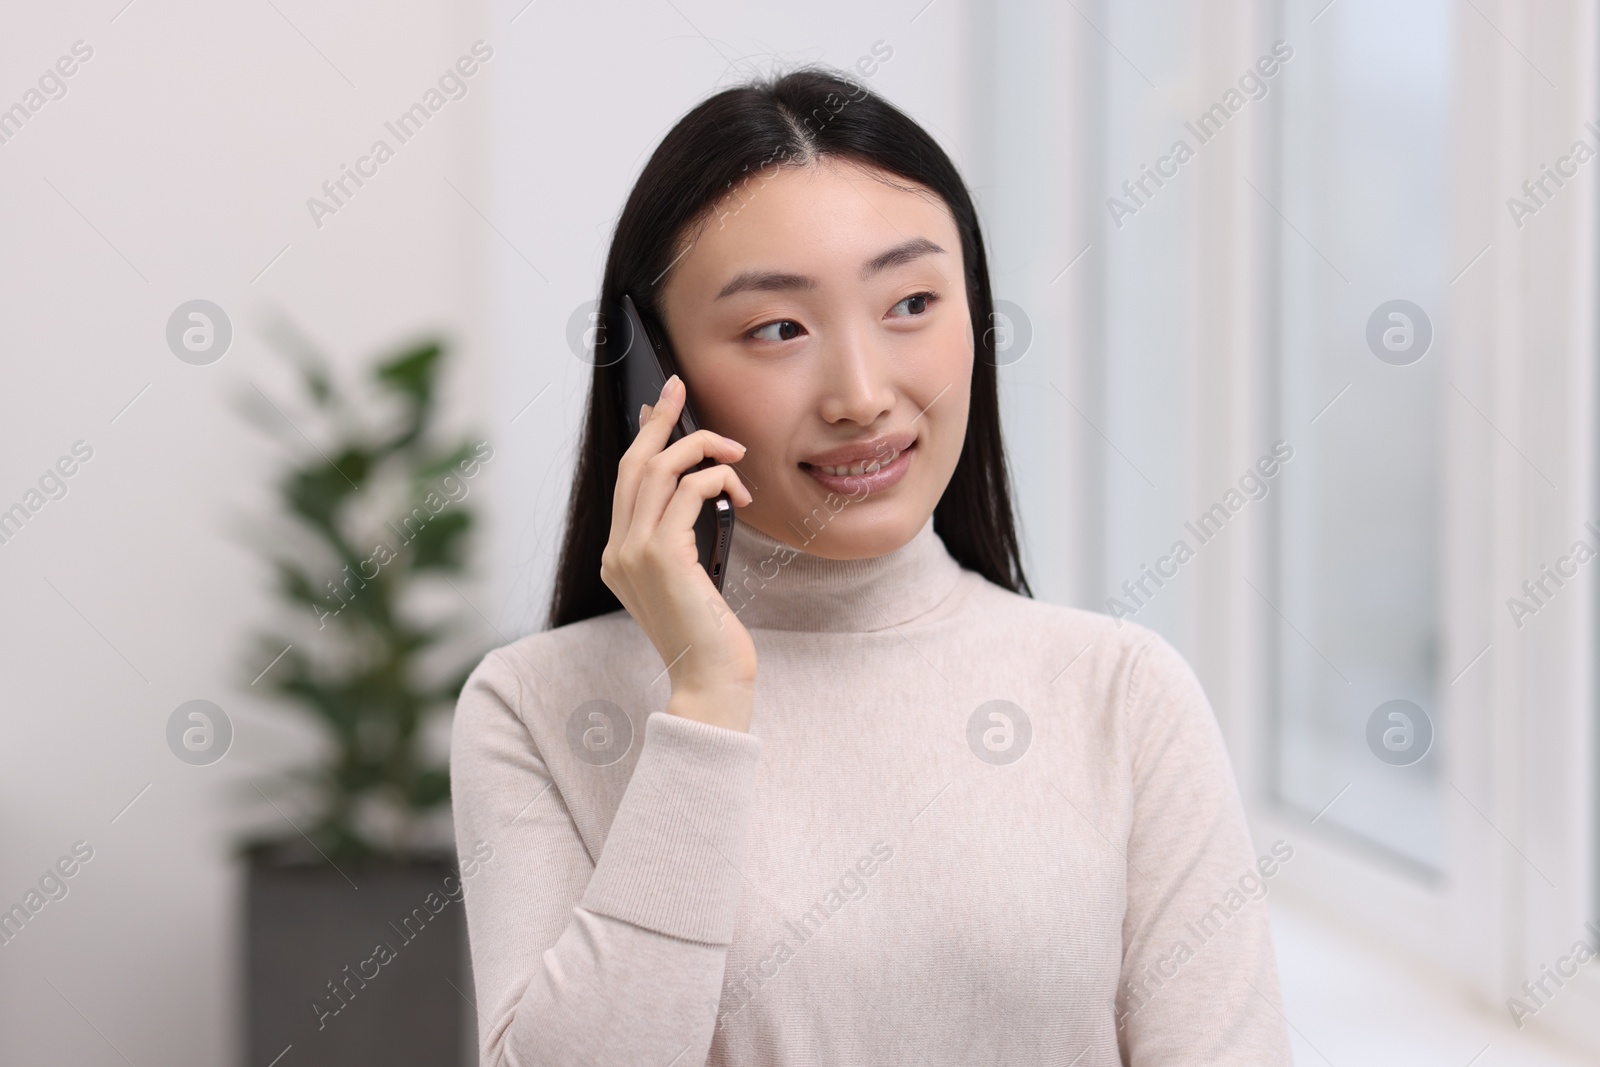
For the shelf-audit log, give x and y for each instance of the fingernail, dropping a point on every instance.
(734, 443)
(643, 408)
(667, 388)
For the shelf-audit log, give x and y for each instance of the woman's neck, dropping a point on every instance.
(773, 586)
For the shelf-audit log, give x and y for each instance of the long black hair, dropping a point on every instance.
(782, 120)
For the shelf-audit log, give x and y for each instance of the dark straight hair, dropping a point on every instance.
(788, 120)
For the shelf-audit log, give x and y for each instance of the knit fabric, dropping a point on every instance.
(965, 827)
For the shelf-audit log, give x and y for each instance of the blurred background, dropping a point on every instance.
(244, 345)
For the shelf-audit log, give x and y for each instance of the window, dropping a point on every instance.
(1360, 210)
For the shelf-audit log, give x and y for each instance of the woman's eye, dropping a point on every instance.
(786, 330)
(916, 304)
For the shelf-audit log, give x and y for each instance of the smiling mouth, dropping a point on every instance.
(865, 466)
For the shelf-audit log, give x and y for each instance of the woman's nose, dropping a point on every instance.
(855, 378)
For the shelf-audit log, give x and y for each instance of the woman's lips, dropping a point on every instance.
(871, 481)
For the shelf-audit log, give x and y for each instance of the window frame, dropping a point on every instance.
(1523, 739)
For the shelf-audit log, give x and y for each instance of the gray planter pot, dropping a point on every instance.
(370, 972)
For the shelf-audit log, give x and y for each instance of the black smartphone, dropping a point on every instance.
(647, 363)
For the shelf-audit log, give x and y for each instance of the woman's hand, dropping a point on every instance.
(652, 564)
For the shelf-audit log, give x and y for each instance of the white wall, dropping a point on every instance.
(178, 166)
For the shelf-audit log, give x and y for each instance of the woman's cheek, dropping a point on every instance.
(720, 410)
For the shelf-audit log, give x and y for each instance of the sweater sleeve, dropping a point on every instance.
(614, 961)
(1199, 982)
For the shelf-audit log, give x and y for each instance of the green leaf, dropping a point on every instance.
(318, 383)
(440, 545)
(412, 372)
(450, 462)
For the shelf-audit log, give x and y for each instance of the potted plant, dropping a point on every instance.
(354, 928)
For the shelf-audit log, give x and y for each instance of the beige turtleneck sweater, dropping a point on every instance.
(965, 827)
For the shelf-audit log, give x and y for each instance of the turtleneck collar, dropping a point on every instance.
(773, 586)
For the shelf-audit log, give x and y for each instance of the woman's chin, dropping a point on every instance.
(841, 528)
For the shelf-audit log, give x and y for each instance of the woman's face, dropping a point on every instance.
(820, 318)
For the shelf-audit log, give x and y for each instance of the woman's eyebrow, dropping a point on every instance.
(779, 281)
(904, 252)
(766, 281)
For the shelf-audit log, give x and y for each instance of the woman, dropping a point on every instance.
(943, 823)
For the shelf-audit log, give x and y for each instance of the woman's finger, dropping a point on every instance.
(694, 489)
(662, 473)
(654, 430)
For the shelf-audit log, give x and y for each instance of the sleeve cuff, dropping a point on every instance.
(673, 859)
